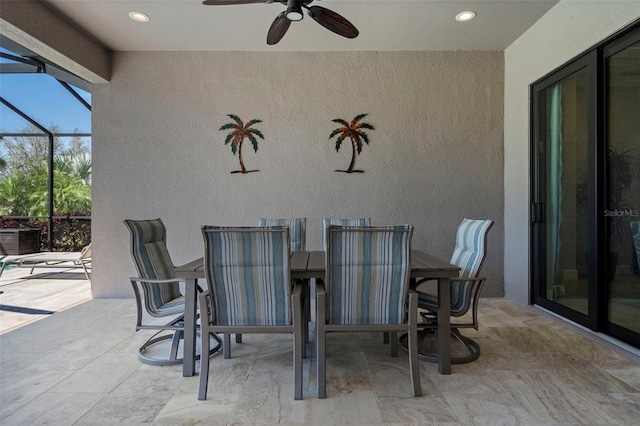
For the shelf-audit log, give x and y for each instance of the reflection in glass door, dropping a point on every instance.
(562, 157)
(623, 177)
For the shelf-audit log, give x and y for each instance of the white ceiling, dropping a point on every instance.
(383, 25)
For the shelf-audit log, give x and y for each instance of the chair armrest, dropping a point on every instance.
(321, 303)
(460, 279)
(206, 310)
(298, 290)
(456, 279)
(412, 308)
(156, 281)
(296, 303)
(136, 283)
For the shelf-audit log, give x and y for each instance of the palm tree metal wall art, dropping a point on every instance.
(354, 131)
(240, 131)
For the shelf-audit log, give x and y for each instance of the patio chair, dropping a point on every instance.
(297, 230)
(469, 254)
(367, 289)
(297, 240)
(157, 291)
(364, 221)
(249, 291)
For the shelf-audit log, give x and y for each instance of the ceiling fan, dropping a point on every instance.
(325, 17)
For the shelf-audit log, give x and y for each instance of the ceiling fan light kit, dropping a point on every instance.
(294, 10)
(325, 17)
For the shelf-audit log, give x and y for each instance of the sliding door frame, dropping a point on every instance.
(617, 45)
(593, 61)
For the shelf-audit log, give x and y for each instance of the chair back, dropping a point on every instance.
(297, 230)
(151, 259)
(469, 254)
(248, 274)
(367, 274)
(364, 221)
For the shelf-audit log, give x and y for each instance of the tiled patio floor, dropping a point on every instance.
(25, 297)
(78, 367)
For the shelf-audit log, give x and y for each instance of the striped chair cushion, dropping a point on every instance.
(151, 260)
(367, 274)
(248, 273)
(297, 230)
(341, 222)
(468, 254)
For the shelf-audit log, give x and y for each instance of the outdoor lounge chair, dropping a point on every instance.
(52, 258)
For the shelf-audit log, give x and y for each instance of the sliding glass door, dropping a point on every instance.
(585, 195)
(622, 69)
(561, 161)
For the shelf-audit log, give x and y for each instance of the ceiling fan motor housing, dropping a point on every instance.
(325, 17)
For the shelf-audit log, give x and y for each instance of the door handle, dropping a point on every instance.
(537, 212)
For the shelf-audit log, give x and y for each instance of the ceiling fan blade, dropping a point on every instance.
(278, 28)
(333, 22)
(228, 2)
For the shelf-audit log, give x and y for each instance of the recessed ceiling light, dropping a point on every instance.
(467, 15)
(138, 17)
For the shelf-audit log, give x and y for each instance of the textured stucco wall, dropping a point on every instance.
(435, 157)
(567, 30)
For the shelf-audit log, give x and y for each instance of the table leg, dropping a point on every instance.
(190, 302)
(444, 325)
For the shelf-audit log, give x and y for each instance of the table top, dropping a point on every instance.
(310, 264)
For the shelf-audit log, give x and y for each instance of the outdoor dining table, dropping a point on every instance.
(311, 264)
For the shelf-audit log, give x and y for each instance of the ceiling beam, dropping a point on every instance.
(37, 28)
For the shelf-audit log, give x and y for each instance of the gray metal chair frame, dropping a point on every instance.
(301, 243)
(410, 316)
(430, 323)
(146, 289)
(208, 301)
(465, 295)
(177, 325)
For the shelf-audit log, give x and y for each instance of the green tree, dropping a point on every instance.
(354, 131)
(24, 185)
(240, 131)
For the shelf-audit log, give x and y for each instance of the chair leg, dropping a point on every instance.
(306, 293)
(385, 337)
(86, 272)
(394, 343)
(204, 364)
(204, 349)
(321, 361)
(297, 364)
(175, 342)
(414, 367)
(226, 346)
(238, 338)
(299, 323)
(307, 309)
(412, 343)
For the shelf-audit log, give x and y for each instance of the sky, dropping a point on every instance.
(44, 99)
